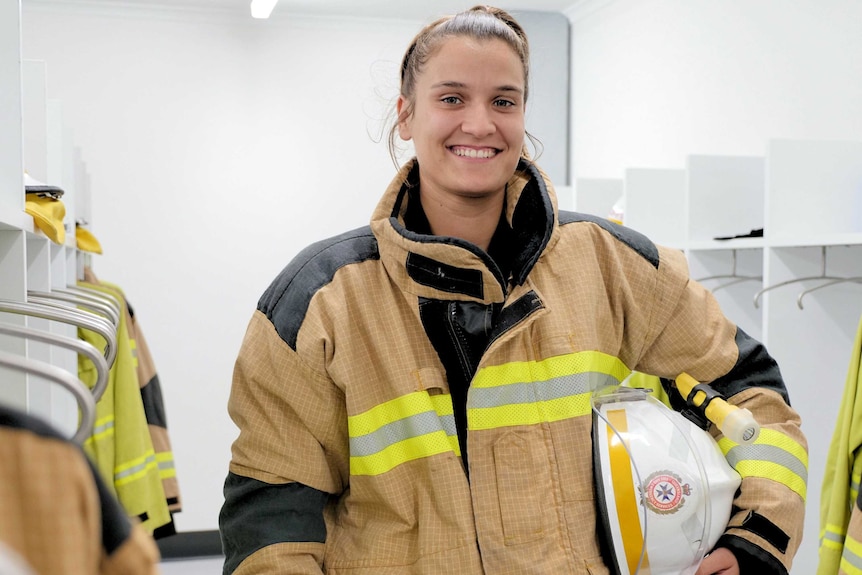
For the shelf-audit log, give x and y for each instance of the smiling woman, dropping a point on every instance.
(413, 396)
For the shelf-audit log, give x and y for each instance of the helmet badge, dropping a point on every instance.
(665, 492)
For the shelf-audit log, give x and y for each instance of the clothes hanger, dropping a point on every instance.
(78, 345)
(51, 372)
(822, 276)
(827, 284)
(733, 276)
(54, 296)
(71, 316)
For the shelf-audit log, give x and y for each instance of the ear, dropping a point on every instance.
(404, 113)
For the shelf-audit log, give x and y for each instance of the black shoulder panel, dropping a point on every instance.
(754, 368)
(635, 240)
(286, 300)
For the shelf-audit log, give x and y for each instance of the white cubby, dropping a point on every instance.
(725, 198)
(34, 140)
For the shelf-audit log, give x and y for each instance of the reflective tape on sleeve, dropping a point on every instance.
(851, 557)
(404, 429)
(773, 456)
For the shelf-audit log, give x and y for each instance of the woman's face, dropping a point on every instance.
(467, 120)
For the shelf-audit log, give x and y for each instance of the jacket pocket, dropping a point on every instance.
(517, 472)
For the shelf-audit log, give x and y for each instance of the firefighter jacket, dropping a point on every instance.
(151, 395)
(120, 446)
(840, 496)
(57, 514)
(380, 361)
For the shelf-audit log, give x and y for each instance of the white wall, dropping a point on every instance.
(656, 80)
(216, 151)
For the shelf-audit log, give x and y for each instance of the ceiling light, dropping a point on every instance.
(262, 8)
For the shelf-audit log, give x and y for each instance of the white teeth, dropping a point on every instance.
(473, 153)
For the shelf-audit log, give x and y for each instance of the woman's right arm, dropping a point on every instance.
(290, 457)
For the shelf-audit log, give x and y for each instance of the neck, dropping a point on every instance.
(468, 218)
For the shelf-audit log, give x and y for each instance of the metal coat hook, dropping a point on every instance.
(76, 345)
(78, 318)
(95, 295)
(733, 276)
(827, 284)
(51, 372)
(87, 303)
(822, 276)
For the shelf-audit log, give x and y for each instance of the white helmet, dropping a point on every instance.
(664, 488)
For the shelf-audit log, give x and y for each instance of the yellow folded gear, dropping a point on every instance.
(87, 241)
(48, 214)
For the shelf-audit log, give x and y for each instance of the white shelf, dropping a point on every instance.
(734, 244)
(801, 240)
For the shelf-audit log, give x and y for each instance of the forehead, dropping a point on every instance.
(462, 58)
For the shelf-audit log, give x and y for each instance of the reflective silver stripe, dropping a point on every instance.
(851, 558)
(149, 460)
(391, 433)
(833, 536)
(771, 453)
(166, 465)
(103, 428)
(533, 392)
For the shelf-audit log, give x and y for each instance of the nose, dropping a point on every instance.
(478, 121)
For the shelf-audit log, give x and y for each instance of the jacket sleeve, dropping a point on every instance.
(691, 334)
(289, 459)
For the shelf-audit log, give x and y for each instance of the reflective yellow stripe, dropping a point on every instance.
(531, 392)
(524, 371)
(103, 428)
(773, 456)
(624, 492)
(135, 469)
(851, 558)
(832, 537)
(404, 429)
(165, 462)
(401, 452)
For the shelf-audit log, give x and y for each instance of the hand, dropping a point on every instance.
(720, 562)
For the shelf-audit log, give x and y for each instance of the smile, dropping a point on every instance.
(473, 152)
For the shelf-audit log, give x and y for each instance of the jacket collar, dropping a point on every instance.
(440, 267)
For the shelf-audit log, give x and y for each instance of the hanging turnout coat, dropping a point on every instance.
(840, 497)
(377, 358)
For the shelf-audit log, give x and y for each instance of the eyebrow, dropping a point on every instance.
(453, 84)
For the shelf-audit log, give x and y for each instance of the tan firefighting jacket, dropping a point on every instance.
(348, 459)
(56, 514)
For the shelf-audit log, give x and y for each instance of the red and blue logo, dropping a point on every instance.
(665, 492)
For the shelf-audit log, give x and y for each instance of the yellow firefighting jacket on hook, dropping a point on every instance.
(348, 459)
(840, 499)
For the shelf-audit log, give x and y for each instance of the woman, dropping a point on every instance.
(410, 395)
